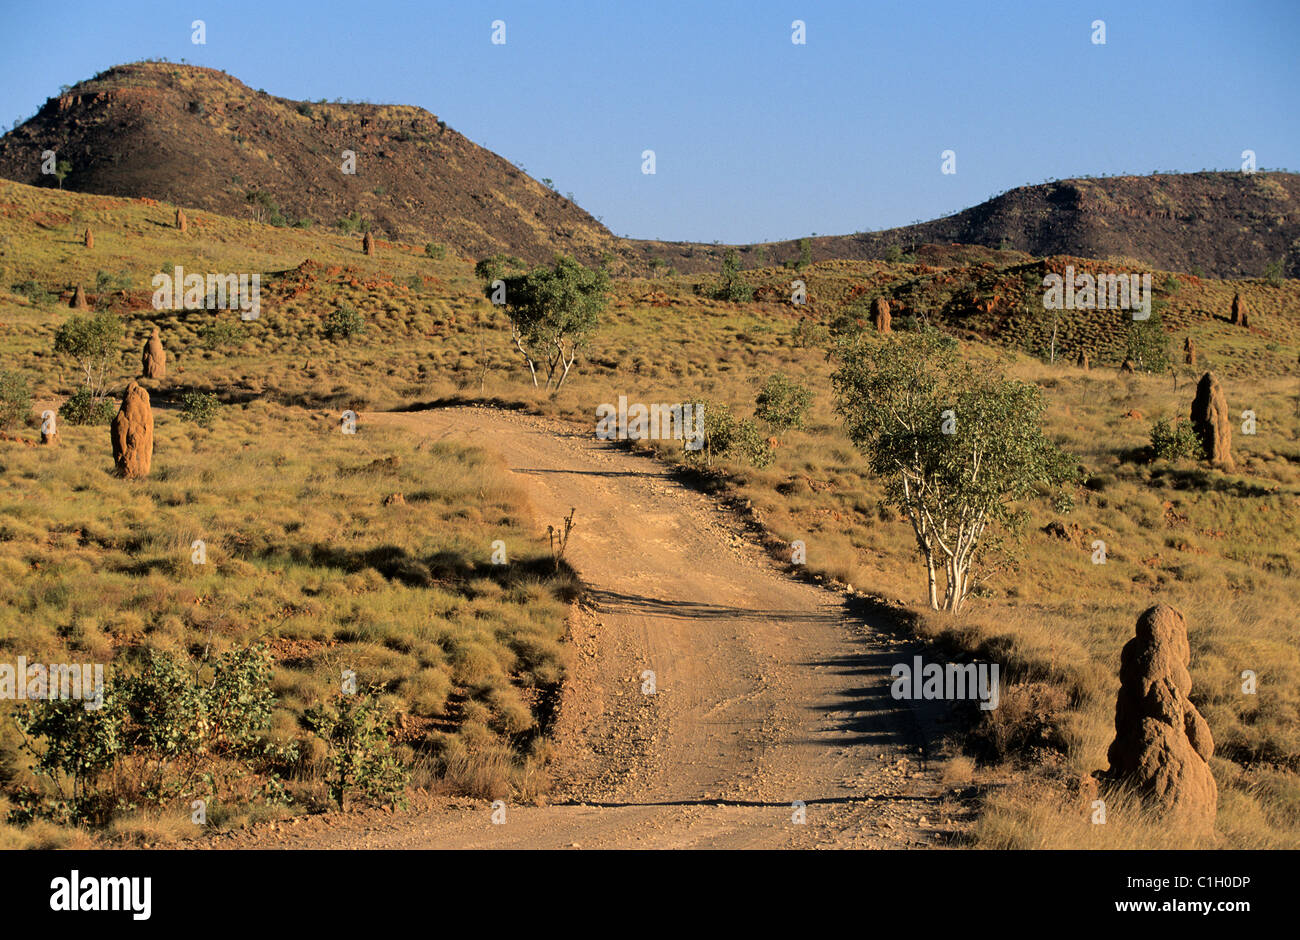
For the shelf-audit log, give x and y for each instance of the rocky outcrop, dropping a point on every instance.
(1162, 744)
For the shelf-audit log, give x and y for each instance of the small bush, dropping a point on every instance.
(353, 222)
(781, 404)
(343, 322)
(15, 399)
(34, 292)
(808, 333)
(219, 334)
(355, 728)
(725, 434)
(200, 408)
(435, 250)
(1175, 440)
(1148, 344)
(733, 286)
(750, 443)
(162, 733)
(107, 280)
(1273, 273)
(82, 407)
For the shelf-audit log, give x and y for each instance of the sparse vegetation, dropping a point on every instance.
(782, 404)
(956, 448)
(200, 408)
(343, 322)
(412, 598)
(92, 343)
(552, 312)
(732, 285)
(161, 734)
(15, 399)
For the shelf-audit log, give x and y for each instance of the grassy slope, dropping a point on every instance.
(1221, 547)
(301, 551)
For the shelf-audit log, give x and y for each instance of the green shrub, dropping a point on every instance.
(719, 431)
(353, 222)
(15, 399)
(82, 407)
(733, 286)
(750, 443)
(805, 254)
(1148, 343)
(1175, 440)
(34, 292)
(266, 209)
(725, 434)
(781, 404)
(343, 322)
(435, 250)
(1273, 273)
(164, 732)
(200, 408)
(107, 280)
(219, 334)
(92, 343)
(355, 729)
(808, 332)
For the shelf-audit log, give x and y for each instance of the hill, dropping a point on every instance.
(1223, 225)
(200, 138)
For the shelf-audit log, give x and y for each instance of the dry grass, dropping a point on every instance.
(91, 564)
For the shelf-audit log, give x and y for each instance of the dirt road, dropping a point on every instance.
(766, 692)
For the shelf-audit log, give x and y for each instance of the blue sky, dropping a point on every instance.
(755, 137)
